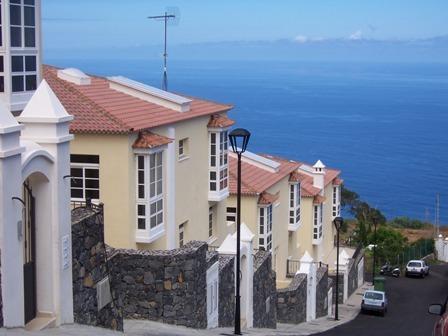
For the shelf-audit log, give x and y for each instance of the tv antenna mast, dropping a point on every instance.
(171, 15)
(437, 215)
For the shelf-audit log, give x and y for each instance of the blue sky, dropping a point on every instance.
(101, 23)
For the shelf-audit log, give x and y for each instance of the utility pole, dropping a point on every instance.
(165, 18)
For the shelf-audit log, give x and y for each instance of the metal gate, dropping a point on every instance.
(29, 261)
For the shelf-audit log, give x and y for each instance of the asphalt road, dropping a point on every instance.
(408, 308)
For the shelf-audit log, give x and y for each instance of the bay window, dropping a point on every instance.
(150, 194)
(294, 206)
(336, 201)
(218, 165)
(23, 23)
(317, 222)
(265, 228)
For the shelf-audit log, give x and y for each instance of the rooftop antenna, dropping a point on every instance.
(437, 214)
(171, 15)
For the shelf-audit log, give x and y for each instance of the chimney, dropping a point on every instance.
(319, 175)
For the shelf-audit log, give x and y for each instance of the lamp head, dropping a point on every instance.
(338, 221)
(239, 138)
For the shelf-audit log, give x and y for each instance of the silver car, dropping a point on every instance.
(417, 267)
(375, 301)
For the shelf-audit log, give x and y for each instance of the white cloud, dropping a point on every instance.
(301, 39)
(357, 35)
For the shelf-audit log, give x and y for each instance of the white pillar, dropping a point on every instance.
(11, 220)
(344, 260)
(47, 123)
(308, 267)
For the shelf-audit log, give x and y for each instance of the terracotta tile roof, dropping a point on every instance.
(338, 181)
(318, 199)
(267, 198)
(99, 109)
(295, 176)
(220, 121)
(256, 180)
(330, 175)
(306, 186)
(148, 139)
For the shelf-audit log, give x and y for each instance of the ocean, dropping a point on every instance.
(384, 125)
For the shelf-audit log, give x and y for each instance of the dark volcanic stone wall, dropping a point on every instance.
(291, 301)
(226, 291)
(322, 292)
(264, 296)
(89, 267)
(340, 285)
(167, 286)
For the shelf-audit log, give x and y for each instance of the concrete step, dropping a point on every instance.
(42, 321)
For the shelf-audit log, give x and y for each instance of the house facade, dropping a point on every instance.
(158, 161)
(289, 206)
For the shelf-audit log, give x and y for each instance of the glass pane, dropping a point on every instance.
(15, 1)
(29, 2)
(15, 15)
(141, 224)
(30, 63)
(141, 191)
(93, 173)
(16, 37)
(76, 193)
(17, 84)
(77, 183)
(159, 172)
(160, 218)
(153, 222)
(159, 187)
(159, 158)
(1, 31)
(141, 162)
(77, 172)
(30, 37)
(17, 63)
(2, 68)
(80, 158)
(29, 16)
(152, 175)
(153, 208)
(2, 84)
(159, 205)
(141, 176)
(94, 184)
(141, 210)
(212, 186)
(152, 190)
(94, 194)
(31, 82)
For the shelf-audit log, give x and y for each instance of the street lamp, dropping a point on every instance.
(239, 138)
(375, 224)
(338, 221)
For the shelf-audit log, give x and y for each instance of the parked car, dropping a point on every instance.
(387, 269)
(441, 326)
(417, 267)
(375, 301)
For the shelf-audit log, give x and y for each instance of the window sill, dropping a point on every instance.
(218, 196)
(183, 158)
(145, 237)
(317, 241)
(294, 227)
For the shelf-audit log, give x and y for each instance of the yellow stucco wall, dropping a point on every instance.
(116, 175)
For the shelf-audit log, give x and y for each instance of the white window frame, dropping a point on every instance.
(317, 222)
(182, 234)
(183, 149)
(24, 73)
(153, 202)
(294, 206)
(84, 166)
(265, 227)
(336, 209)
(231, 214)
(218, 176)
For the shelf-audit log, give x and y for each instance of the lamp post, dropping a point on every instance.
(338, 221)
(375, 224)
(239, 139)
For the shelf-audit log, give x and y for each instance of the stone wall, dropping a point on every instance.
(90, 267)
(226, 291)
(353, 272)
(291, 301)
(265, 295)
(340, 285)
(163, 285)
(322, 292)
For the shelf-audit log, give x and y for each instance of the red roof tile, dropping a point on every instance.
(267, 198)
(338, 181)
(150, 140)
(220, 121)
(256, 180)
(318, 199)
(99, 109)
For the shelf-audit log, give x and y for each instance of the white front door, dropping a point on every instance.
(213, 296)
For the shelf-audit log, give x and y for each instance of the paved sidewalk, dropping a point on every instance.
(347, 312)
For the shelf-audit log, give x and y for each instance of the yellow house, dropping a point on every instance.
(289, 206)
(158, 161)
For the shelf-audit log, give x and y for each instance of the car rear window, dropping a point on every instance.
(373, 296)
(414, 264)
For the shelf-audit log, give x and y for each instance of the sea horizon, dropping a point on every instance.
(382, 123)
